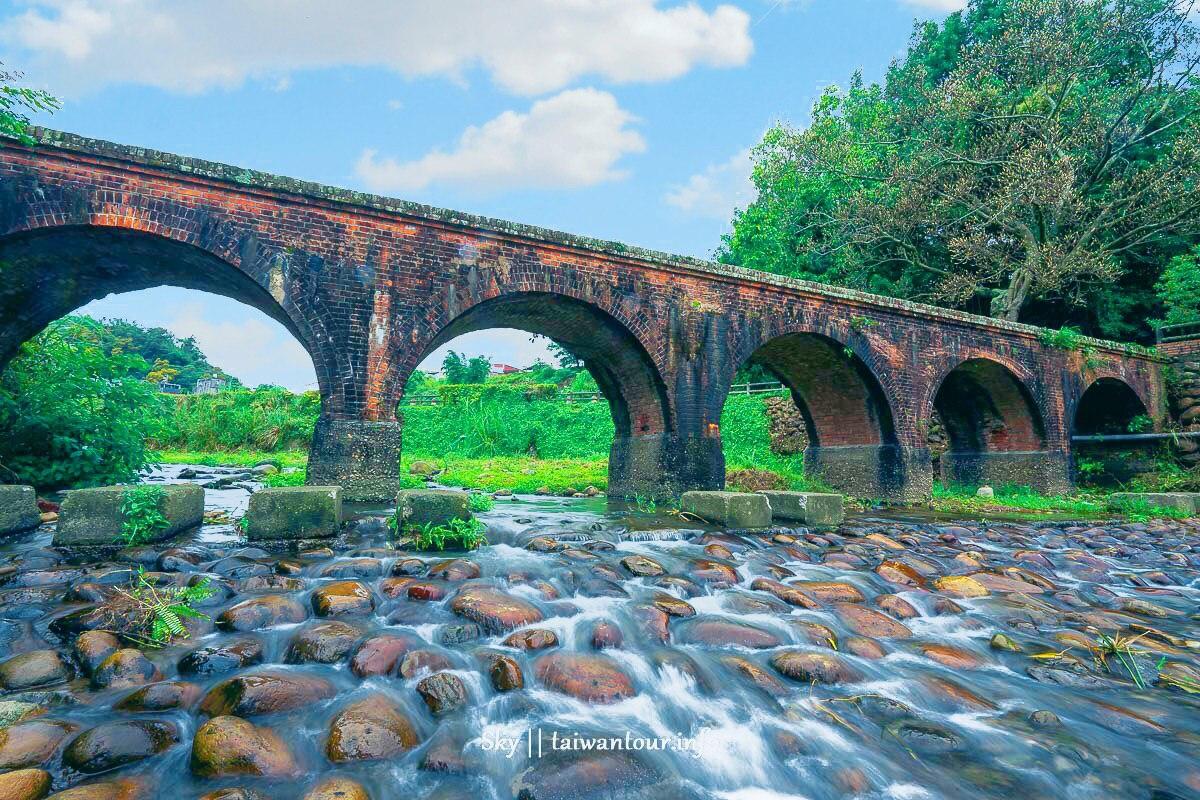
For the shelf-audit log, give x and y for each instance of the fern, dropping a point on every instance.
(158, 613)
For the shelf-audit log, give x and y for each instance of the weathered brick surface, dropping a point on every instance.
(370, 285)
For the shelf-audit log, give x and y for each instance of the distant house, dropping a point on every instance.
(505, 369)
(210, 385)
(166, 387)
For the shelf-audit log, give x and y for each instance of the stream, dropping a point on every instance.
(593, 652)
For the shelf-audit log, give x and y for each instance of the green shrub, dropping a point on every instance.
(465, 533)
(267, 419)
(141, 509)
(71, 415)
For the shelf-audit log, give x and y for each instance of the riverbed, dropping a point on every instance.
(593, 652)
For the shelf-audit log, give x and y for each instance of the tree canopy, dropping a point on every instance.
(1036, 160)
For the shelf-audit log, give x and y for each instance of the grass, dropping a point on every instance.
(519, 473)
(1016, 499)
(230, 458)
(467, 534)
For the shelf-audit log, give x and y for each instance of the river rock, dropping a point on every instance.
(323, 643)
(642, 566)
(814, 667)
(92, 647)
(421, 661)
(113, 744)
(337, 789)
(672, 605)
(493, 610)
(230, 746)
(716, 632)
(32, 743)
(259, 613)
(343, 598)
(830, 591)
(125, 669)
(25, 784)
(606, 635)
(897, 606)
(14, 711)
(370, 729)
(455, 570)
(593, 678)
(216, 659)
(381, 655)
(265, 693)
(505, 673)
(620, 775)
(952, 657)
(443, 693)
(871, 623)
(121, 789)
(35, 668)
(960, 586)
(785, 592)
(162, 696)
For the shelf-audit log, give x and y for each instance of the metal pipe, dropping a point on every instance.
(1137, 437)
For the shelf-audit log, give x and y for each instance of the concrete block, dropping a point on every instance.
(18, 509)
(94, 517)
(731, 509)
(418, 507)
(1187, 502)
(294, 512)
(811, 508)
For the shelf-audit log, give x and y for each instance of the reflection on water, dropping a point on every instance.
(861, 662)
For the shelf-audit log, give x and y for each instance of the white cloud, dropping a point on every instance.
(571, 140)
(527, 46)
(945, 6)
(255, 349)
(718, 190)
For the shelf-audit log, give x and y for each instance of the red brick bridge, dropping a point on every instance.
(370, 285)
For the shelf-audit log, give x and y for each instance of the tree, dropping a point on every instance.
(454, 367)
(161, 371)
(1179, 290)
(159, 344)
(17, 102)
(72, 413)
(477, 370)
(1033, 159)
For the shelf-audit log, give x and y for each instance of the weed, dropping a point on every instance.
(153, 616)
(858, 323)
(465, 533)
(141, 510)
(478, 501)
(1122, 649)
(644, 504)
(1140, 424)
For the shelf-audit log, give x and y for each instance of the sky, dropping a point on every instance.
(629, 120)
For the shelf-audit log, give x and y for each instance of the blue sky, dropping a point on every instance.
(622, 119)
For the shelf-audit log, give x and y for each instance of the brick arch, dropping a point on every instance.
(623, 368)
(55, 263)
(1106, 406)
(986, 406)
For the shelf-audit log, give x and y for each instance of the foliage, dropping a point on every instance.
(151, 615)
(1139, 510)
(17, 102)
(1123, 650)
(71, 413)
(1015, 499)
(475, 392)
(459, 369)
(1033, 159)
(465, 533)
(1140, 424)
(164, 351)
(1179, 289)
(268, 419)
(522, 474)
(480, 502)
(239, 458)
(294, 477)
(141, 513)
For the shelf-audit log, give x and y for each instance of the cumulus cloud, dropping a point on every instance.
(571, 140)
(527, 46)
(254, 348)
(718, 190)
(938, 5)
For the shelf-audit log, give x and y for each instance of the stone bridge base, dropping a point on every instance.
(361, 457)
(1047, 471)
(878, 472)
(664, 466)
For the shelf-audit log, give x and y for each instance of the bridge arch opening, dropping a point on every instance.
(831, 424)
(1110, 407)
(50, 274)
(623, 377)
(991, 423)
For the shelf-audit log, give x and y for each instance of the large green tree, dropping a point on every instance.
(1037, 160)
(17, 103)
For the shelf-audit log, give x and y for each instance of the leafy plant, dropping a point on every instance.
(141, 510)
(644, 504)
(859, 323)
(1140, 424)
(153, 616)
(465, 533)
(478, 501)
(16, 102)
(1122, 649)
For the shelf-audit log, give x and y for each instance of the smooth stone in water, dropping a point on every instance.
(35, 668)
(590, 677)
(114, 744)
(370, 729)
(259, 613)
(265, 693)
(443, 692)
(814, 667)
(343, 598)
(228, 746)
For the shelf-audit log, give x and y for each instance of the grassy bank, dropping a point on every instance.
(1016, 499)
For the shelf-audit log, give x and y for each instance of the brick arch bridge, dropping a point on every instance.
(370, 285)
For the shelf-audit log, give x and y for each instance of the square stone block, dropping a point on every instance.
(419, 507)
(811, 508)
(94, 516)
(18, 509)
(294, 512)
(1187, 502)
(731, 509)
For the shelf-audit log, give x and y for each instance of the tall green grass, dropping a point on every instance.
(266, 420)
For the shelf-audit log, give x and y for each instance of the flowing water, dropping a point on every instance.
(658, 659)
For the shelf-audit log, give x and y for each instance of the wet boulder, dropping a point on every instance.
(830, 591)
(565, 775)
(506, 674)
(14, 711)
(593, 678)
(532, 639)
(342, 598)
(417, 662)
(381, 655)
(730, 509)
(114, 744)
(230, 746)
(455, 570)
(924, 737)
(642, 566)
(717, 632)
(25, 784)
(259, 613)
(162, 696)
(125, 669)
(871, 623)
(219, 658)
(294, 512)
(32, 743)
(418, 507)
(94, 516)
(18, 509)
(788, 593)
(323, 643)
(370, 729)
(814, 667)
(265, 693)
(92, 647)
(443, 693)
(353, 568)
(337, 788)
(35, 668)
(492, 609)
(606, 635)
(960, 586)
